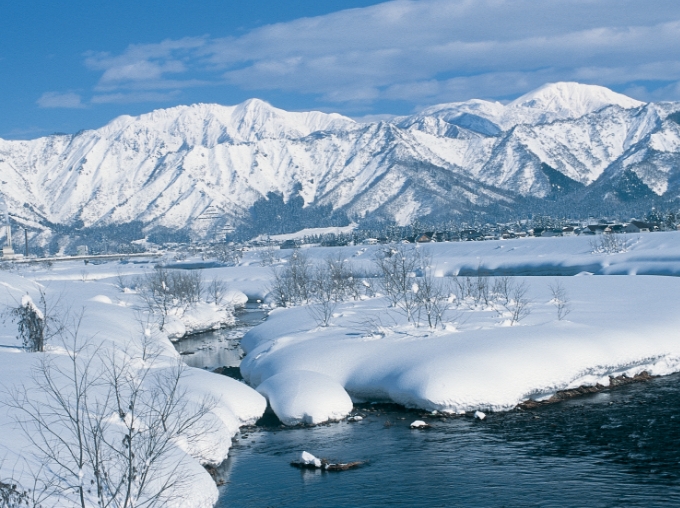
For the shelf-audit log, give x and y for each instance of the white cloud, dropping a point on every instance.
(421, 51)
(133, 97)
(60, 100)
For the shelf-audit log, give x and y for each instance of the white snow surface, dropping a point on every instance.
(308, 458)
(340, 230)
(306, 397)
(110, 320)
(172, 167)
(623, 320)
(622, 324)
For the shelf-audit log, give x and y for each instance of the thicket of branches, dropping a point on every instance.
(105, 427)
(322, 286)
(166, 290)
(610, 243)
(406, 278)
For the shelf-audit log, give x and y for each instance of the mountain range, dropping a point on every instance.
(207, 167)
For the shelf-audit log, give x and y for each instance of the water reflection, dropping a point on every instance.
(220, 348)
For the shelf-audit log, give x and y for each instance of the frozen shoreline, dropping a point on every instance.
(619, 325)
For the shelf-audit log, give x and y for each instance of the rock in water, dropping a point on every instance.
(479, 415)
(309, 459)
(420, 424)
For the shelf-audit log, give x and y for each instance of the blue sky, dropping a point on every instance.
(66, 66)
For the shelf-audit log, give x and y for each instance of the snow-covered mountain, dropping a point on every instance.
(206, 165)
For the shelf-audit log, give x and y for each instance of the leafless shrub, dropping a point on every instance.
(216, 290)
(292, 283)
(560, 299)
(519, 305)
(610, 243)
(89, 456)
(36, 323)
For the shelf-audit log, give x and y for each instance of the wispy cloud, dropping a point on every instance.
(420, 52)
(60, 100)
(132, 97)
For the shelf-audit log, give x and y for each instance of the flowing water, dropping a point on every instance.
(220, 348)
(615, 448)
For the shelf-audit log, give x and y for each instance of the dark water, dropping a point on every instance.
(618, 448)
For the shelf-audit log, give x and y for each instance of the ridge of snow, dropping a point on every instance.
(169, 166)
(572, 100)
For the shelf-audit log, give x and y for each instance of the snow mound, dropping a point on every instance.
(302, 396)
(309, 459)
(101, 299)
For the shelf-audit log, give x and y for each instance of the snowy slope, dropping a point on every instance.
(170, 166)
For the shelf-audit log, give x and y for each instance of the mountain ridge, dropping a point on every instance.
(167, 167)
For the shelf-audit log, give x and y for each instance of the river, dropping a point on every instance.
(614, 448)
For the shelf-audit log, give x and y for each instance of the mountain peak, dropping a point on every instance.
(572, 100)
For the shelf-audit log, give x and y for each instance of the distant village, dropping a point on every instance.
(131, 241)
(538, 227)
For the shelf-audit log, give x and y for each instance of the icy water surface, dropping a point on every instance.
(619, 448)
(220, 348)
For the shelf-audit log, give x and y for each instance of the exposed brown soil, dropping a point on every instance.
(586, 390)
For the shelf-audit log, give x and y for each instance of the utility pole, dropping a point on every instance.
(25, 243)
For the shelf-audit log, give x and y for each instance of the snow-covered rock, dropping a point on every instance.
(420, 424)
(305, 397)
(479, 415)
(309, 459)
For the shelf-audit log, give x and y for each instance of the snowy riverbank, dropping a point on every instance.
(116, 326)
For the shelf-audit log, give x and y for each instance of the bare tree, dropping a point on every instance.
(121, 281)
(519, 305)
(106, 426)
(164, 290)
(502, 288)
(217, 290)
(473, 291)
(345, 282)
(326, 296)
(293, 283)
(610, 243)
(397, 266)
(269, 255)
(434, 299)
(560, 299)
(228, 254)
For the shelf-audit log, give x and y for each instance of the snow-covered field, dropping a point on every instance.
(623, 319)
(616, 324)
